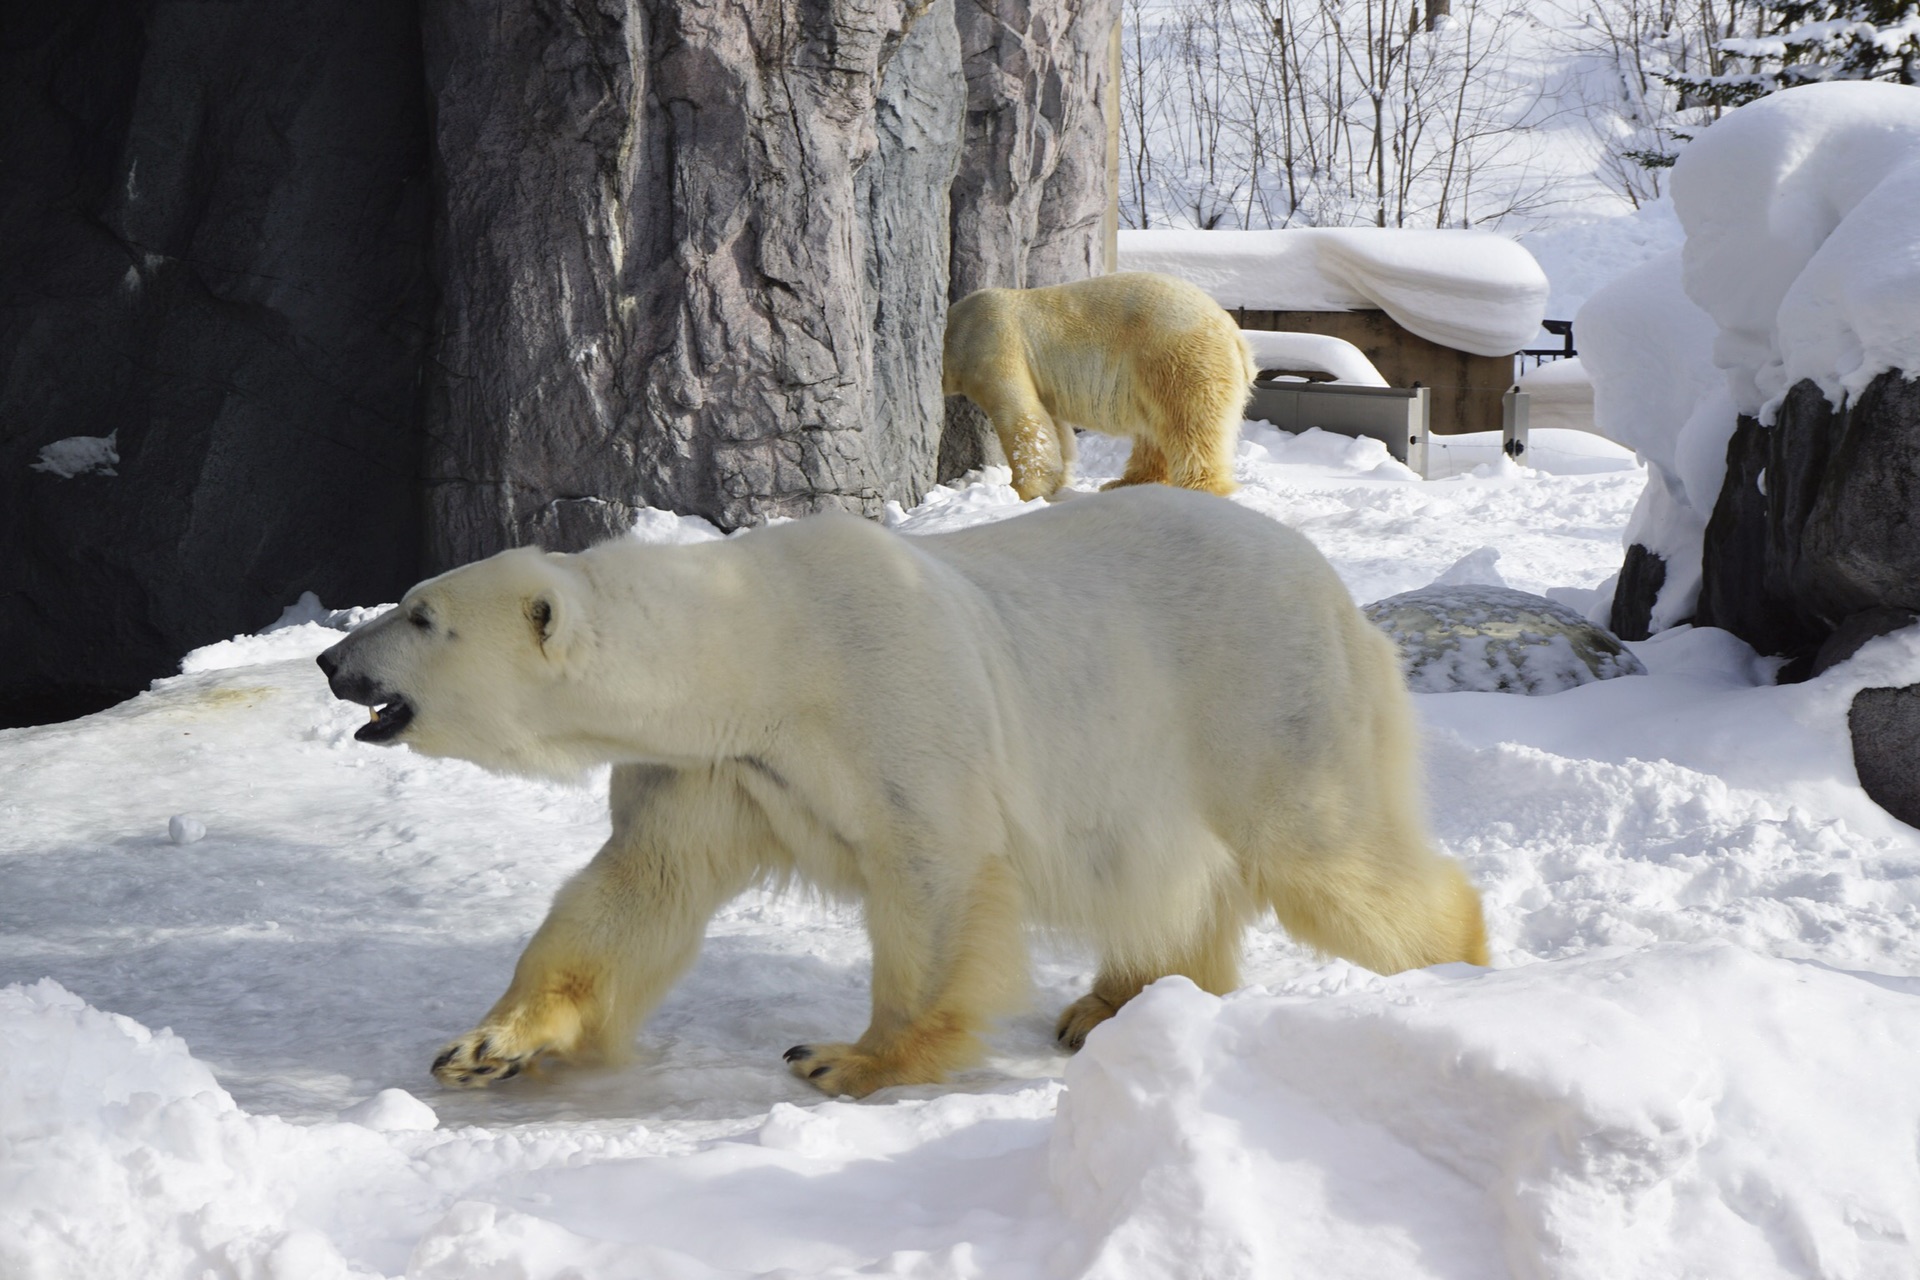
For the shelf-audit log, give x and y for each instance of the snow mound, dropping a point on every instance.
(1649, 350)
(124, 1157)
(1470, 290)
(1464, 634)
(1801, 240)
(1273, 349)
(1681, 1110)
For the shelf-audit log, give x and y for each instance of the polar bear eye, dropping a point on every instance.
(420, 619)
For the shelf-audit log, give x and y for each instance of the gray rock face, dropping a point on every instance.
(1033, 197)
(357, 291)
(1885, 727)
(1818, 520)
(213, 230)
(1637, 591)
(694, 257)
(1496, 640)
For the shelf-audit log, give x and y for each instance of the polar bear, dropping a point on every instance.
(1142, 718)
(1139, 355)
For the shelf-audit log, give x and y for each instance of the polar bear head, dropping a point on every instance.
(471, 663)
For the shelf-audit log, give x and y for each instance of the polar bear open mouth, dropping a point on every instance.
(389, 717)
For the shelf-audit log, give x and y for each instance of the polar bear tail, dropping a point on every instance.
(1383, 897)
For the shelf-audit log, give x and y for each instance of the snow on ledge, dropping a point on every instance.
(1313, 351)
(1473, 291)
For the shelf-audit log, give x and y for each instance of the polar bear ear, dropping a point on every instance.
(551, 616)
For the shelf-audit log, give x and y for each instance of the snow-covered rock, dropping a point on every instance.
(1464, 634)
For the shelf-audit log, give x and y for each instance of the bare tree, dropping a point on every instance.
(1324, 112)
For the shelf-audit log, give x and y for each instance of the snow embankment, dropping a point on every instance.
(1648, 350)
(1671, 1111)
(1470, 290)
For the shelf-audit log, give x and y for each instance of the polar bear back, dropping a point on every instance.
(1095, 350)
(1206, 637)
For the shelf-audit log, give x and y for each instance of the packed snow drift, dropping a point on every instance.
(1693, 1055)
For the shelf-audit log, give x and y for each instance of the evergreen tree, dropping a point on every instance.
(1808, 41)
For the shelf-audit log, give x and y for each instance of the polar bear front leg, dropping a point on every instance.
(620, 933)
(940, 971)
(1029, 436)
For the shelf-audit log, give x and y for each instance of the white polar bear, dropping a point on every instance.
(1143, 718)
(1144, 356)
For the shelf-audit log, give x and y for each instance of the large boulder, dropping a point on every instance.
(1462, 637)
(1885, 726)
(1818, 520)
(213, 239)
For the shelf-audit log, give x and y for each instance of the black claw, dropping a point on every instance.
(817, 1072)
(513, 1069)
(799, 1053)
(484, 1070)
(480, 1050)
(443, 1059)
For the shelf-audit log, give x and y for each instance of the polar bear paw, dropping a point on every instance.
(481, 1057)
(842, 1069)
(1079, 1018)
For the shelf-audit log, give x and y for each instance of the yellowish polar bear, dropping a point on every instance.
(1143, 718)
(1138, 355)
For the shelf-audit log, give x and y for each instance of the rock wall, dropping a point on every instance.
(213, 227)
(691, 254)
(361, 291)
(1032, 200)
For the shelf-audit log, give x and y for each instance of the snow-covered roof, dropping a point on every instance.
(1802, 238)
(1470, 290)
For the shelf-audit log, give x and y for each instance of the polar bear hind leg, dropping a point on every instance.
(1195, 400)
(1145, 465)
(937, 978)
(1211, 961)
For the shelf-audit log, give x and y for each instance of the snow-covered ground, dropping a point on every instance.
(1694, 1055)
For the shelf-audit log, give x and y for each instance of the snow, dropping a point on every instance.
(1649, 351)
(1474, 291)
(1801, 243)
(80, 456)
(1582, 256)
(1693, 1055)
(1559, 395)
(1274, 349)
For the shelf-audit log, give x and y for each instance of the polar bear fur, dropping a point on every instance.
(1138, 355)
(1143, 719)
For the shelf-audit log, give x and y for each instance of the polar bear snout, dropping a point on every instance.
(392, 712)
